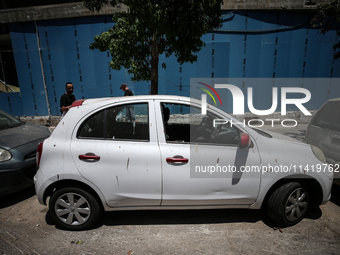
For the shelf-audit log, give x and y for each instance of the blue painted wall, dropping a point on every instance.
(250, 44)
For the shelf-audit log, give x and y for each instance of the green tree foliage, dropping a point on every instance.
(327, 18)
(154, 27)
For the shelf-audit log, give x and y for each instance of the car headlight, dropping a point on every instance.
(319, 154)
(5, 155)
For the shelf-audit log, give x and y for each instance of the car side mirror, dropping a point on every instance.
(245, 141)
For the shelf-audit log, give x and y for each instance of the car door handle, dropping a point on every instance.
(177, 160)
(89, 157)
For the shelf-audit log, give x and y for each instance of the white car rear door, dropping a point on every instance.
(116, 149)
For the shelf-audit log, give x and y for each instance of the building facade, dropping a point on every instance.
(258, 39)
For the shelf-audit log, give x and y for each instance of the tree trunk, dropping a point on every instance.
(154, 65)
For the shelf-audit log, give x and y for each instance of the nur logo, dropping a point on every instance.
(238, 99)
(204, 97)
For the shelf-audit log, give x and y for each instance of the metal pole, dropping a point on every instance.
(42, 69)
(7, 85)
(3, 71)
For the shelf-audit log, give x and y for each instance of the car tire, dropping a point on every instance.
(288, 204)
(74, 209)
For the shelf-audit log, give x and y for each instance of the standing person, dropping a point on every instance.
(127, 91)
(129, 109)
(67, 99)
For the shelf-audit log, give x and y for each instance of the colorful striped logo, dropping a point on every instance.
(209, 93)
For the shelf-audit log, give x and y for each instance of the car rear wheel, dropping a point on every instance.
(288, 204)
(74, 209)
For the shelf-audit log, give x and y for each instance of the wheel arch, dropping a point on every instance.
(52, 188)
(312, 185)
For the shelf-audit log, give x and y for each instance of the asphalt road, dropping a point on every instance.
(26, 228)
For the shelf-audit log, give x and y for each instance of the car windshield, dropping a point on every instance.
(8, 121)
(328, 116)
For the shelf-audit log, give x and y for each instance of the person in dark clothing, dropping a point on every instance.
(67, 99)
(127, 91)
(129, 109)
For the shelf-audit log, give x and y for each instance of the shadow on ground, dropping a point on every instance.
(336, 194)
(193, 217)
(17, 197)
(173, 217)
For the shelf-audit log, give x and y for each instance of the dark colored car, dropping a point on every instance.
(18, 145)
(324, 130)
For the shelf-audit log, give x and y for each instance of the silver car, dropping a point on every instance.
(161, 152)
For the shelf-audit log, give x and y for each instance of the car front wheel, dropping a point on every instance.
(74, 209)
(288, 204)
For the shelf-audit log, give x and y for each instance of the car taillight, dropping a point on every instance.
(39, 152)
(78, 103)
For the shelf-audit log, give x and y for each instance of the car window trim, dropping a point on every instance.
(191, 142)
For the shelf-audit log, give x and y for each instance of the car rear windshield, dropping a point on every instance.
(328, 116)
(8, 121)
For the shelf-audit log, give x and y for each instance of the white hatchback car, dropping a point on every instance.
(160, 152)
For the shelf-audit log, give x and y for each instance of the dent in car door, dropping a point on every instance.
(181, 184)
(116, 149)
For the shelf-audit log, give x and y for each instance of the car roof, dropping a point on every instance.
(334, 99)
(142, 97)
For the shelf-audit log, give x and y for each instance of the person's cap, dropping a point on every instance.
(123, 85)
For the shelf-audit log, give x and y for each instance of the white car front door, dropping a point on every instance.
(116, 149)
(203, 169)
